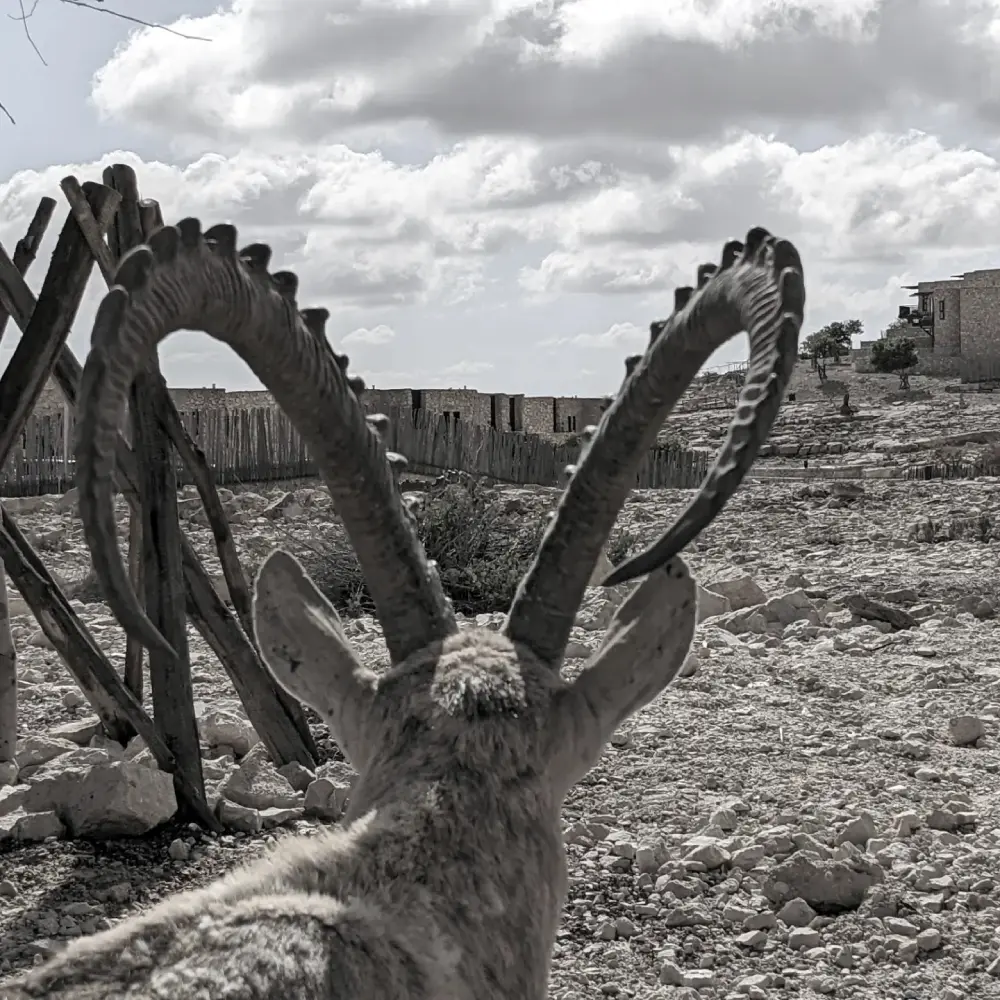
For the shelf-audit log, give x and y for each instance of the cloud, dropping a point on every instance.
(468, 368)
(620, 336)
(380, 334)
(689, 69)
(490, 220)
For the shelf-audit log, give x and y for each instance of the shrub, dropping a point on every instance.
(897, 356)
(977, 527)
(483, 542)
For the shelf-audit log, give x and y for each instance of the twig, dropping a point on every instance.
(27, 31)
(25, 15)
(135, 20)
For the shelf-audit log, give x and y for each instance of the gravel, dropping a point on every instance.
(814, 810)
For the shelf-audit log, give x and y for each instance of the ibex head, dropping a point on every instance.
(468, 681)
(448, 875)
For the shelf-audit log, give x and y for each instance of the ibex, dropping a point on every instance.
(448, 873)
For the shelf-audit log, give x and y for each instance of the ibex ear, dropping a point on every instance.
(302, 641)
(644, 647)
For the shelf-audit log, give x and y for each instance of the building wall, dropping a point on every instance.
(930, 363)
(550, 416)
(538, 414)
(980, 316)
(199, 399)
(948, 328)
(472, 407)
(506, 411)
(576, 412)
(386, 400)
(248, 397)
(51, 400)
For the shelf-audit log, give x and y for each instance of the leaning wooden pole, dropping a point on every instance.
(8, 680)
(134, 650)
(27, 249)
(257, 689)
(162, 571)
(278, 718)
(24, 255)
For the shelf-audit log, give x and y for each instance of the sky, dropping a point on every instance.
(503, 194)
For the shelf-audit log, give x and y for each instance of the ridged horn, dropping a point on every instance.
(186, 280)
(758, 287)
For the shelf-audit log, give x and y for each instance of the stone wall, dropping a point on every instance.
(470, 406)
(930, 362)
(51, 400)
(574, 413)
(246, 397)
(200, 399)
(553, 417)
(539, 414)
(980, 321)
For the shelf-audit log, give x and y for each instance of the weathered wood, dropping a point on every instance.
(259, 444)
(8, 678)
(253, 684)
(134, 650)
(146, 216)
(96, 676)
(49, 326)
(266, 709)
(204, 480)
(68, 634)
(27, 248)
(170, 681)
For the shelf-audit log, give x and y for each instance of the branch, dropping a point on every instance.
(134, 20)
(26, 15)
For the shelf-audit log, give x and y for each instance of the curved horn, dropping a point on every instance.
(186, 280)
(757, 287)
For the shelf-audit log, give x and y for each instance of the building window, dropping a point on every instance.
(925, 303)
(571, 423)
(940, 308)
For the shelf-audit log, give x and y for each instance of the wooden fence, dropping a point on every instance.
(953, 470)
(257, 444)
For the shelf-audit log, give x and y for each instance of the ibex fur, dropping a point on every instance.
(447, 875)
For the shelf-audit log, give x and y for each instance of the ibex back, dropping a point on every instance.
(447, 875)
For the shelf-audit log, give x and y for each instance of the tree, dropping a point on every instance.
(830, 341)
(895, 356)
(897, 328)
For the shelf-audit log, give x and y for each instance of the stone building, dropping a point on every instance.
(954, 324)
(549, 416)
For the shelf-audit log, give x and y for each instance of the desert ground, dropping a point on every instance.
(813, 810)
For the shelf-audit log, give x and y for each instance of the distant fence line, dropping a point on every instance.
(953, 470)
(256, 444)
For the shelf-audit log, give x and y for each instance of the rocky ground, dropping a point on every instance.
(888, 428)
(814, 810)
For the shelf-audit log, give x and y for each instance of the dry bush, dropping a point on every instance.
(978, 527)
(991, 455)
(482, 540)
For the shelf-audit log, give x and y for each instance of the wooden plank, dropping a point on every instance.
(162, 574)
(8, 678)
(49, 325)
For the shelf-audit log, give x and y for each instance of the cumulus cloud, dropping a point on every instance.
(688, 69)
(621, 336)
(547, 173)
(493, 218)
(467, 368)
(380, 334)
